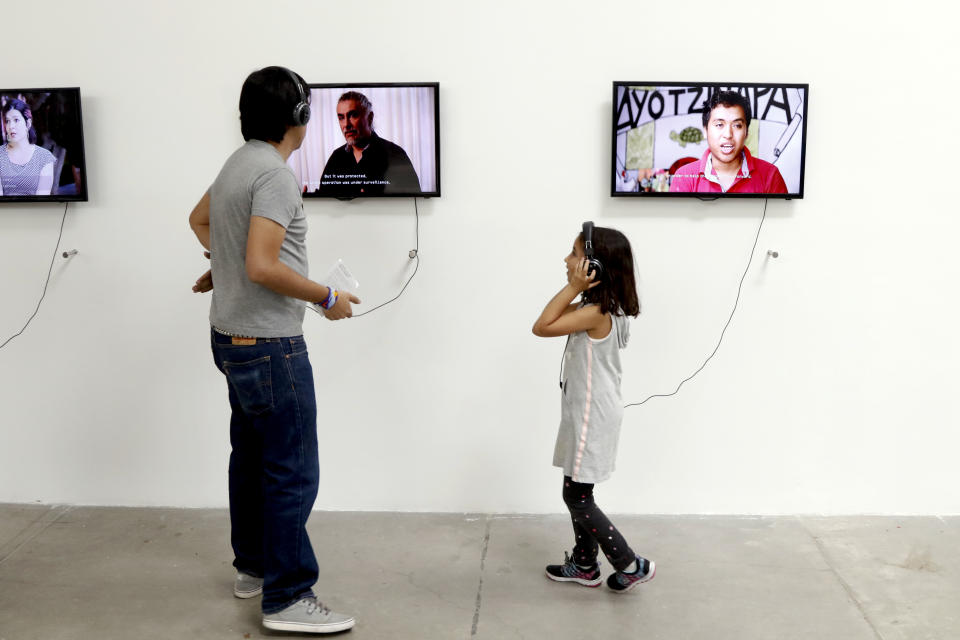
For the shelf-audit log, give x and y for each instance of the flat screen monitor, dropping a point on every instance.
(41, 159)
(709, 140)
(370, 140)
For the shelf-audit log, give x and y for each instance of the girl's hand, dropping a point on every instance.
(579, 279)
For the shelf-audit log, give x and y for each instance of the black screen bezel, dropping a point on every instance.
(83, 196)
(691, 194)
(436, 133)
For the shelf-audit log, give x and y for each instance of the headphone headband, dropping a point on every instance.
(595, 266)
(588, 238)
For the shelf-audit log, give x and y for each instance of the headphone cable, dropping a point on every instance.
(720, 341)
(49, 271)
(415, 256)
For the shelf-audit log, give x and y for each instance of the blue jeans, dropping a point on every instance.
(274, 465)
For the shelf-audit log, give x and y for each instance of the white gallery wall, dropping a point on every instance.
(833, 390)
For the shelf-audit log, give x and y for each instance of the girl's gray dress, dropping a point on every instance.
(591, 406)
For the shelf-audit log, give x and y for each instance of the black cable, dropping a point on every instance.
(416, 255)
(736, 302)
(49, 271)
(563, 358)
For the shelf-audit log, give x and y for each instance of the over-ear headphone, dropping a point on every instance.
(301, 112)
(593, 265)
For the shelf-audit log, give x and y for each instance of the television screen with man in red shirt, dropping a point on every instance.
(708, 140)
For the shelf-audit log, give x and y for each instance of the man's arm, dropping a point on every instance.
(777, 185)
(683, 181)
(265, 268)
(200, 223)
(400, 173)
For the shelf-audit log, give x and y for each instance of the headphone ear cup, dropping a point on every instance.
(301, 114)
(594, 266)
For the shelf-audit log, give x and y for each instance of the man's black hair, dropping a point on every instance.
(727, 99)
(267, 100)
(359, 98)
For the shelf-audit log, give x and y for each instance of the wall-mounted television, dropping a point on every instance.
(709, 139)
(371, 140)
(41, 158)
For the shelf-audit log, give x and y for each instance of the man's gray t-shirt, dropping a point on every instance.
(254, 181)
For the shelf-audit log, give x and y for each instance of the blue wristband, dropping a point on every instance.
(331, 298)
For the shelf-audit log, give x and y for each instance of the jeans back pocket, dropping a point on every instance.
(252, 383)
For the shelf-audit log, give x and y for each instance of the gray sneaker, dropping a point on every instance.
(308, 616)
(247, 586)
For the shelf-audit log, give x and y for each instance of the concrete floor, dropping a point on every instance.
(110, 573)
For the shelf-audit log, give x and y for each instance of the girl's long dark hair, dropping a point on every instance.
(618, 293)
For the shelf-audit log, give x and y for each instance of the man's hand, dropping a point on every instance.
(205, 282)
(342, 308)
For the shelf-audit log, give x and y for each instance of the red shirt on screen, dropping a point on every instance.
(755, 176)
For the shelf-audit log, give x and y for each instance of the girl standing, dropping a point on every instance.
(600, 271)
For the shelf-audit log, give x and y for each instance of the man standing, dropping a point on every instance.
(727, 166)
(367, 164)
(251, 220)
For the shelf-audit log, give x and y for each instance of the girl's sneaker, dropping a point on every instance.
(621, 582)
(572, 572)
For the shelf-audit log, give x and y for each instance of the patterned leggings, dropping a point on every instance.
(593, 528)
